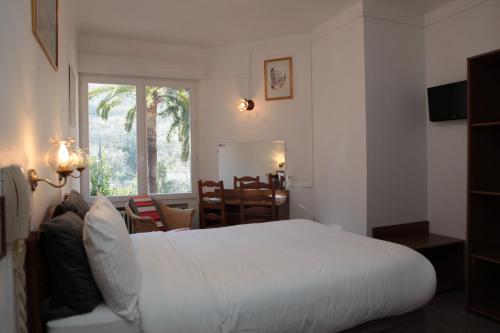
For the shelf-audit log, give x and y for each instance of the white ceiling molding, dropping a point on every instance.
(452, 9)
(388, 11)
(344, 17)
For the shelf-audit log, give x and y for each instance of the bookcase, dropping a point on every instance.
(483, 220)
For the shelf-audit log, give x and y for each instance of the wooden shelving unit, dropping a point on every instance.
(485, 124)
(483, 220)
(490, 193)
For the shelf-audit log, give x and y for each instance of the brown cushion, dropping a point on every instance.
(175, 218)
(72, 287)
(75, 203)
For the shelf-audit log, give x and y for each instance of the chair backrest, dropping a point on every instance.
(257, 202)
(212, 207)
(257, 186)
(144, 206)
(237, 181)
(278, 180)
(210, 189)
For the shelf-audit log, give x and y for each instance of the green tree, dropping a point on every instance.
(160, 101)
(100, 175)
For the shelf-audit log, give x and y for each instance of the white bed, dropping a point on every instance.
(285, 276)
(101, 320)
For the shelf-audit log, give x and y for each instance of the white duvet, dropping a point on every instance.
(286, 276)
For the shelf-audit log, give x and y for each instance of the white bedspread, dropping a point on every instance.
(286, 276)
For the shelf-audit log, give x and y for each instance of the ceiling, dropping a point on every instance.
(415, 6)
(215, 22)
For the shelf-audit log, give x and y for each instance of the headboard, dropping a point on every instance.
(35, 279)
(35, 283)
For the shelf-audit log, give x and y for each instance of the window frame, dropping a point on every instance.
(140, 83)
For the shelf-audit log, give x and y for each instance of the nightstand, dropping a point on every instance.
(446, 254)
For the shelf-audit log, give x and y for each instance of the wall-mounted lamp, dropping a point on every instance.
(64, 160)
(81, 160)
(245, 105)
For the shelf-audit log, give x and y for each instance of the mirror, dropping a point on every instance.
(252, 159)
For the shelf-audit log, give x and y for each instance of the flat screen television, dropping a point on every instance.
(448, 102)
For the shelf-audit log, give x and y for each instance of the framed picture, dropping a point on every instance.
(278, 77)
(3, 245)
(45, 25)
(72, 91)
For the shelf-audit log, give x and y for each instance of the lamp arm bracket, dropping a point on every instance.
(34, 180)
(79, 173)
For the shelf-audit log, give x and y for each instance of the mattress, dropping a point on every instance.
(102, 319)
(284, 276)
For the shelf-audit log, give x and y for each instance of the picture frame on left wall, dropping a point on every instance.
(45, 26)
(3, 241)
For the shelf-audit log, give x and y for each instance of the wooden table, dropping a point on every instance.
(232, 201)
(446, 254)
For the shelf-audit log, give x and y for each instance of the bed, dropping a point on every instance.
(285, 276)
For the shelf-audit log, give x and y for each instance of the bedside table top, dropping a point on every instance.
(422, 241)
(414, 235)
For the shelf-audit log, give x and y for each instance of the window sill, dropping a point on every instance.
(121, 201)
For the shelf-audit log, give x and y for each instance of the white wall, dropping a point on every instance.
(236, 72)
(453, 33)
(100, 55)
(34, 109)
(340, 127)
(396, 122)
(390, 178)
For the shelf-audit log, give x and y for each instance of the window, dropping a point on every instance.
(139, 137)
(168, 140)
(112, 148)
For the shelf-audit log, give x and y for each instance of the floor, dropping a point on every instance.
(446, 314)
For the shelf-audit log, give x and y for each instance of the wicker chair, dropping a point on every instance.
(172, 219)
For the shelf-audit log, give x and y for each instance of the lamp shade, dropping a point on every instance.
(245, 105)
(59, 157)
(80, 158)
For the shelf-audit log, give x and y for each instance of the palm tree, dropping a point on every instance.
(160, 101)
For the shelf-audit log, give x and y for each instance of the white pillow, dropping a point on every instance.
(112, 258)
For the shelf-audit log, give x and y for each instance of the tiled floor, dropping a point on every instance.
(446, 314)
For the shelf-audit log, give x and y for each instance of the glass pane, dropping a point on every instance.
(112, 139)
(168, 140)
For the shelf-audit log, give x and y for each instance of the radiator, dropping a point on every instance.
(128, 223)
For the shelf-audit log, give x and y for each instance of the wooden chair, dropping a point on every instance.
(278, 180)
(243, 180)
(257, 203)
(212, 206)
(171, 219)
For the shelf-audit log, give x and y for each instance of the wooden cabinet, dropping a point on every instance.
(483, 220)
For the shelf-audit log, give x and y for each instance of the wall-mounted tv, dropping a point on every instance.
(448, 102)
